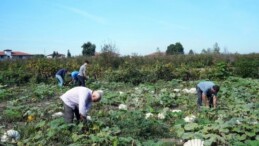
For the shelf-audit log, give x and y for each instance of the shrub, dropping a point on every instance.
(12, 114)
(247, 67)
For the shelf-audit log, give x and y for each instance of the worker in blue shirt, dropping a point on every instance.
(74, 77)
(207, 93)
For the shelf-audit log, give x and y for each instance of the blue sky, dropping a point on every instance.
(133, 26)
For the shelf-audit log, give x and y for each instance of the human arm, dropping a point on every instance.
(84, 103)
(215, 99)
(84, 72)
(63, 74)
(205, 99)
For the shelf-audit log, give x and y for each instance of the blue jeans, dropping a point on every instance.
(60, 80)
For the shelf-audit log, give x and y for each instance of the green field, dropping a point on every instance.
(29, 108)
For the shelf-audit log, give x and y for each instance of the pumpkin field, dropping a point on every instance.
(133, 112)
(147, 114)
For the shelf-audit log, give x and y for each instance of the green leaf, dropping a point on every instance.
(252, 142)
(180, 132)
(40, 124)
(237, 129)
(76, 137)
(210, 141)
(191, 126)
(51, 133)
(223, 130)
(250, 134)
(241, 137)
(206, 129)
(115, 142)
(187, 135)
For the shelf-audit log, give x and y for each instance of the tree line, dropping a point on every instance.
(89, 49)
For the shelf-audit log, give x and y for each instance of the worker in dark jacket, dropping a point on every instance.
(60, 75)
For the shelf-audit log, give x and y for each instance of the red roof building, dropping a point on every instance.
(9, 54)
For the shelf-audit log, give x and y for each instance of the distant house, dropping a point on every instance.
(56, 55)
(9, 54)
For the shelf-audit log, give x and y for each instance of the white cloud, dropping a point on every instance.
(85, 14)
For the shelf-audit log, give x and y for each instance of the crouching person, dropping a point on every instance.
(207, 94)
(78, 101)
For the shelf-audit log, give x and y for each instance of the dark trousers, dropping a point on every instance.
(81, 80)
(69, 114)
(199, 94)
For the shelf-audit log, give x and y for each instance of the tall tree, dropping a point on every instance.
(88, 49)
(203, 51)
(55, 54)
(216, 48)
(175, 49)
(68, 54)
(208, 51)
(191, 52)
(109, 49)
(109, 55)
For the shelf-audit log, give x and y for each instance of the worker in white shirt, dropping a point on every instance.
(78, 101)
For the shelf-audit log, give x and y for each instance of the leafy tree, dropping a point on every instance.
(226, 50)
(208, 51)
(158, 50)
(175, 49)
(109, 55)
(54, 54)
(191, 52)
(109, 49)
(68, 54)
(88, 49)
(203, 51)
(216, 48)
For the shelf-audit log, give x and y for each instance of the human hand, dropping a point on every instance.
(82, 118)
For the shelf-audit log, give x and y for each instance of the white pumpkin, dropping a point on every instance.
(58, 114)
(177, 90)
(89, 118)
(4, 138)
(176, 111)
(190, 118)
(194, 142)
(189, 91)
(161, 116)
(13, 134)
(148, 115)
(123, 107)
